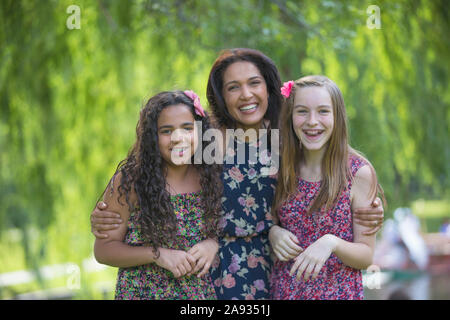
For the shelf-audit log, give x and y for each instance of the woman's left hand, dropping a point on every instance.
(313, 258)
(371, 217)
(204, 253)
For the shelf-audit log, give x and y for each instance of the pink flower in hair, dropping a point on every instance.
(197, 106)
(286, 88)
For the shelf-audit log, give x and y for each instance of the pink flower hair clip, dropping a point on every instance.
(287, 88)
(197, 106)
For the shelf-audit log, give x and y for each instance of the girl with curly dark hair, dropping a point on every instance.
(171, 204)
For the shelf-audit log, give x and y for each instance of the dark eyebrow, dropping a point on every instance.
(171, 126)
(249, 79)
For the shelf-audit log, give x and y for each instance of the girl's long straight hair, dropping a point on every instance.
(335, 166)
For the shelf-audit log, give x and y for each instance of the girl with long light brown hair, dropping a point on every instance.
(321, 180)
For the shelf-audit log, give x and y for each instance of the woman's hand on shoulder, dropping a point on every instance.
(371, 217)
(111, 214)
(104, 220)
(368, 216)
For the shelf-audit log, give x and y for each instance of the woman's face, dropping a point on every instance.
(176, 134)
(245, 94)
(312, 117)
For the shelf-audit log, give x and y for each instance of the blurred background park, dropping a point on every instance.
(75, 73)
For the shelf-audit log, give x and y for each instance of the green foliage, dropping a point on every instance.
(69, 99)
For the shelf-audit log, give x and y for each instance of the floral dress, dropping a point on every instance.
(335, 280)
(242, 268)
(153, 282)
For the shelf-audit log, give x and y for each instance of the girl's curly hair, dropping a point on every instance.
(143, 171)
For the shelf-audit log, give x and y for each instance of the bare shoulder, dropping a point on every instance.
(364, 174)
(116, 199)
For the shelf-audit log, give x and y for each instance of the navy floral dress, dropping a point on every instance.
(243, 265)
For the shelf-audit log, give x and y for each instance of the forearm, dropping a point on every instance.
(120, 255)
(353, 254)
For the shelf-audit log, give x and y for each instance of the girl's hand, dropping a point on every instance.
(370, 217)
(176, 261)
(203, 253)
(313, 258)
(284, 243)
(104, 220)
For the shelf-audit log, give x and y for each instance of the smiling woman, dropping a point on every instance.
(245, 94)
(248, 72)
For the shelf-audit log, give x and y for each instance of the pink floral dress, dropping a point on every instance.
(335, 280)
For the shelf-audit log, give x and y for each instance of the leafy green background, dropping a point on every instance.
(69, 102)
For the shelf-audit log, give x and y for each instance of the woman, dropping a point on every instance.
(243, 93)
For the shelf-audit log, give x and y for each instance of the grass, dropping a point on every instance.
(84, 281)
(91, 286)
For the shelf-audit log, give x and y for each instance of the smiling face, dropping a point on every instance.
(176, 134)
(313, 117)
(245, 94)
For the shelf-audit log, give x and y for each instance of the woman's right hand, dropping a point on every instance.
(176, 261)
(284, 243)
(102, 220)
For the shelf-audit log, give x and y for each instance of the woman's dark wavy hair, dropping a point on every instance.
(215, 85)
(143, 172)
